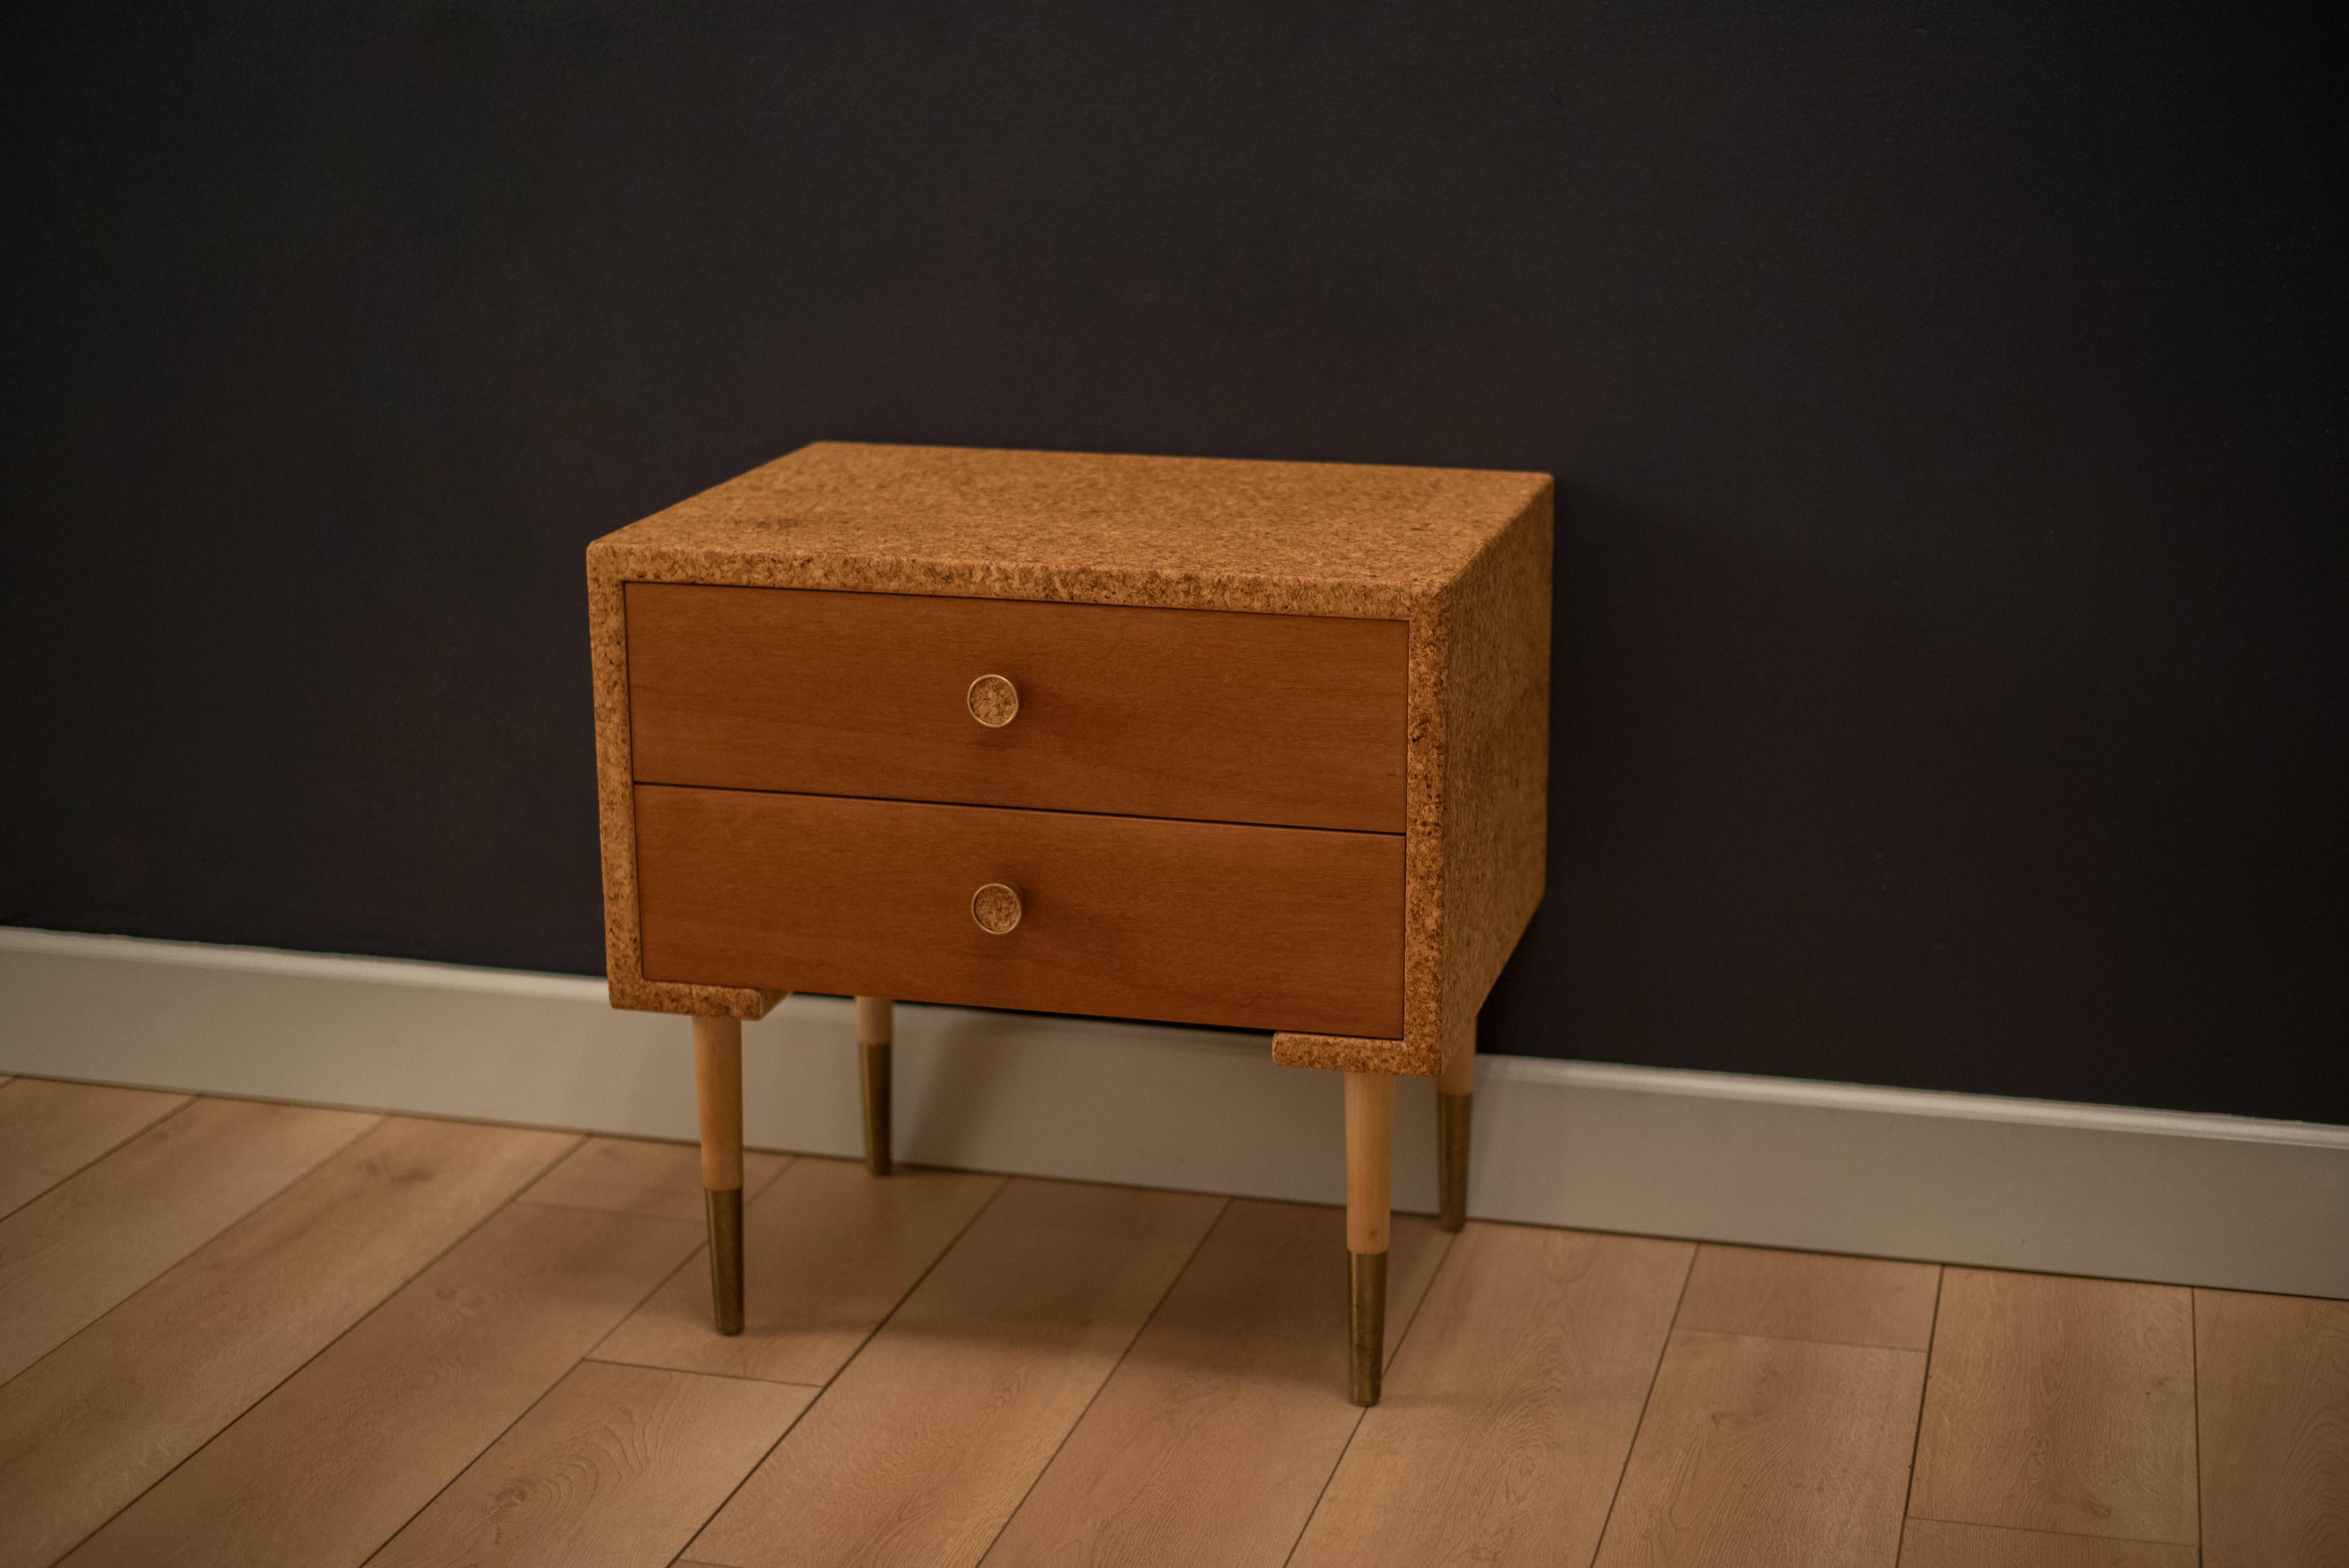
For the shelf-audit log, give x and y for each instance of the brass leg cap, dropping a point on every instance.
(877, 1108)
(1452, 1159)
(726, 1258)
(1366, 1279)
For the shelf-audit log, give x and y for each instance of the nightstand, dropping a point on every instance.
(1249, 744)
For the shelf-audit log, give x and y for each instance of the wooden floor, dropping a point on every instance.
(250, 1334)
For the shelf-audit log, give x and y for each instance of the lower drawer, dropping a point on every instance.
(1206, 922)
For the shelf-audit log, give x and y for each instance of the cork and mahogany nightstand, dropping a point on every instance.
(1249, 744)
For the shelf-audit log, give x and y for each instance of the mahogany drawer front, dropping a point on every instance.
(1206, 922)
(1210, 716)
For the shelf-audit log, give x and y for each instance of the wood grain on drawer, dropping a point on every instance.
(1206, 922)
(1206, 714)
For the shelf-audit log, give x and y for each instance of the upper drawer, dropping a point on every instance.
(1285, 719)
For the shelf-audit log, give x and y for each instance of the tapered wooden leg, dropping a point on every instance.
(718, 1084)
(1370, 1172)
(873, 1027)
(1455, 1095)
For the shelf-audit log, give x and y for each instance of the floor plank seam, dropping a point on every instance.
(2059, 1534)
(132, 1136)
(1094, 1397)
(1917, 1441)
(311, 1359)
(749, 1194)
(1403, 1337)
(298, 1178)
(1806, 1340)
(259, 1400)
(381, 1546)
(518, 1201)
(1646, 1400)
(743, 1480)
(1352, 1433)
(1001, 1183)
(695, 1371)
(384, 1544)
(696, 1256)
(2194, 1366)
(846, 1362)
(1434, 1277)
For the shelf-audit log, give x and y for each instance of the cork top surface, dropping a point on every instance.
(1340, 538)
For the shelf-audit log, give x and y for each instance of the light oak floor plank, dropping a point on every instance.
(829, 1250)
(2060, 1405)
(93, 1423)
(925, 1444)
(1510, 1407)
(1936, 1544)
(49, 1130)
(71, 1253)
(637, 1176)
(2274, 1375)
(1212, 1440)
(1770, 1453)
(2072, 1402)
(342, 1454)
(615, 1468)
(1811, 1295)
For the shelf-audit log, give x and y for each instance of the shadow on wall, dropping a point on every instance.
(1801, 818)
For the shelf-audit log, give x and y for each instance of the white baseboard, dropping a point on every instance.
(1973, 1178)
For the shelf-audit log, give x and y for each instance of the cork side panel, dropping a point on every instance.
(1420, 1053)
(1347, 1053)
(1430, 701)
(1331, 538)
(616, 809)
(1495, 762)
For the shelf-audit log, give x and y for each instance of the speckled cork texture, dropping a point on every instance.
(1461, 555)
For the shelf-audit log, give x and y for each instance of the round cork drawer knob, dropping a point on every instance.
(994, 702)
(996, 908)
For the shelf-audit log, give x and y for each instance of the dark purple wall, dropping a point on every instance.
(1946, 403)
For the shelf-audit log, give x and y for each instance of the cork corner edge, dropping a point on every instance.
(1353, 1054)
(633, 994)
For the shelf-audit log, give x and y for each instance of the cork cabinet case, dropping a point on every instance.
(1249, 744)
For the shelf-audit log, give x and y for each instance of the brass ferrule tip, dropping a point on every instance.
(877, 1106)
(1366, 1280)
(726, 1258)
(1452, 1159)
